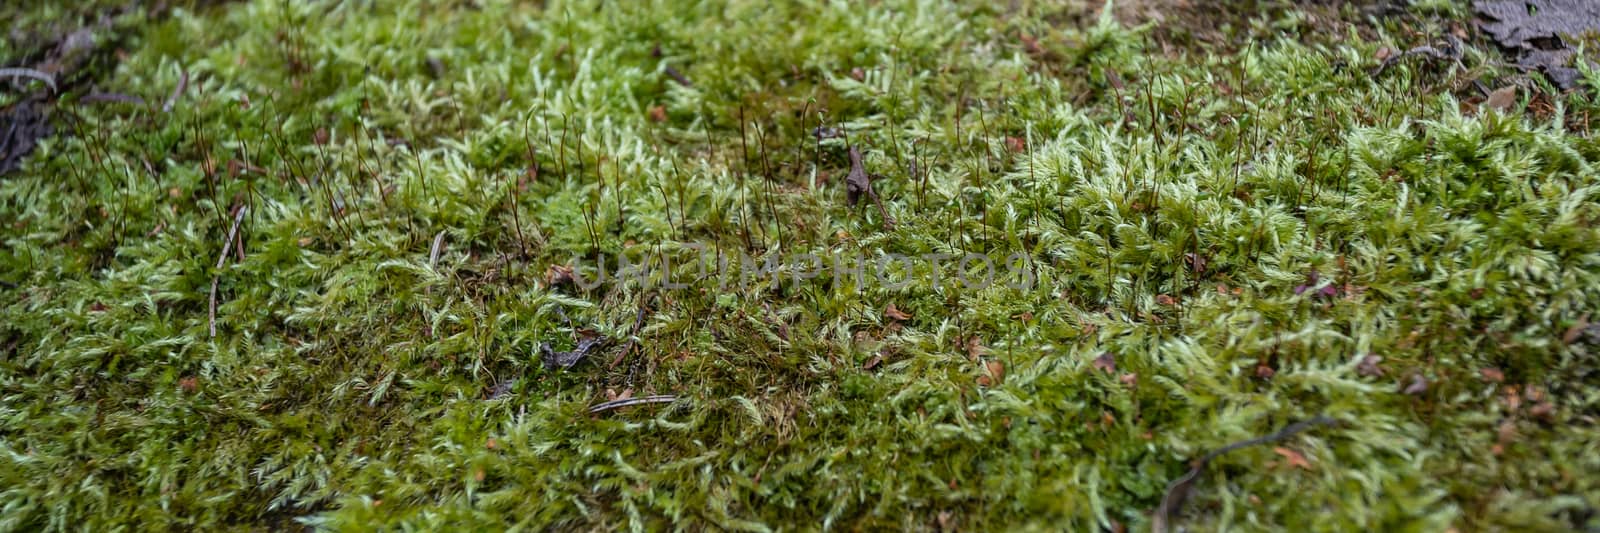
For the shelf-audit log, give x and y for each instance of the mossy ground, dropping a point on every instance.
(1232, 220)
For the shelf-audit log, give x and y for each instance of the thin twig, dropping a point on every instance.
(678, 77)
(183, 83)
(1178, 490)
(221, 259)
(627, 402)
(633, 335)
(29, 73)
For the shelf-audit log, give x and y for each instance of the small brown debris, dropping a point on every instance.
(658, 113)
(1295, 459)
(1114, 79)
(1573, 333)
(553, 359)
(1106, 363)
(872, 363)
(1507, 432)
(1503, 99)
(1030, 44)
(858, 74)
(1418, 386)
(491, 443)
(859, 183)
(1492, 375)
(189, 384)
(996, 369)
(558, 275)
(1016, 144)
(1164, 300)
(320, 137)
(1368, 366)
(974, 347)
(436, 67)
(894, 313)
(501, 389)
(1512, 398)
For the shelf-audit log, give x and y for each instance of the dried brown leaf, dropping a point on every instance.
(1295, 459)
(872, 363)
(1503, 99)
(996, 369)
(894, 313)
(1492, 375)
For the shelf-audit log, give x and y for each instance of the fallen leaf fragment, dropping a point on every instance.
(974, 347)
(1295, 459)
(996, 369)
(894, 313)
(1573, 333)
(1492, 375)
(1016, 144)
(1503, 99)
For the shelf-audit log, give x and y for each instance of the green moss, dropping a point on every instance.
(1239, 225)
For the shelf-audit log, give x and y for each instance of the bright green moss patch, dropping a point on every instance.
(1228, 237)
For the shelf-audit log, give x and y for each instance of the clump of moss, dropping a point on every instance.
(1228, 238)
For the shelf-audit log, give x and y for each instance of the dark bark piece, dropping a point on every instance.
(22, 124)
(1539, 33)
(1537, 23)
(553, 359)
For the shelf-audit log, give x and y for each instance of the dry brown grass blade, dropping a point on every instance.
(222, 258)
(615, 404)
